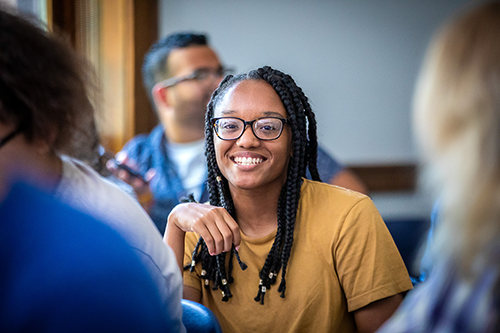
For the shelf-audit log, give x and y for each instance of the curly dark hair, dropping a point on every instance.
(46, 89)
(154, 67)
(304, 140)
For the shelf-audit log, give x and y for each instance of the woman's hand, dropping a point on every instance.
(218, 229)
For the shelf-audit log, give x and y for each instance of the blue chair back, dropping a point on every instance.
(408, 235)
(197, 318)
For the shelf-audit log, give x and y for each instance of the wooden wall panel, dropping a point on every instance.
(126, 30)
(387, 178)
(116, 72)
(145, 35)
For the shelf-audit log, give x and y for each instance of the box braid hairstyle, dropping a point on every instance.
(303, 124)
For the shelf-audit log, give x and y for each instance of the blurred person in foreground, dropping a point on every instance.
(180, 72)
(46, 115)
(457, 119)
(64, 271)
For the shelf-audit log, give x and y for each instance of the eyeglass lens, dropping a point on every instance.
(200, 74)
(204, 73)
(263, 128)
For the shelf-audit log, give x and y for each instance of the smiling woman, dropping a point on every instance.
(254, 159)
(327, 246)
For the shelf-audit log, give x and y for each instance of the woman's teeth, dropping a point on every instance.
(247, 160)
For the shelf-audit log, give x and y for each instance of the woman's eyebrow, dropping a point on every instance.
(265, 113)
(273, 114)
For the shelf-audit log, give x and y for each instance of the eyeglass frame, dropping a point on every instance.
(9, 137)
(221, 72)
(250, 123)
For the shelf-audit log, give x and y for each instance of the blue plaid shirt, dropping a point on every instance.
(445, 303)
(149, 151)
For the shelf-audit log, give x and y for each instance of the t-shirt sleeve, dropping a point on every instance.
(368, 262)
(191, 279)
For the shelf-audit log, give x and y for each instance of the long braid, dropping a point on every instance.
(213, 267)
(296, 171)
(267, 277)
(271, 265)
(312, 143)
(279, 236)
(301, 102)
(304, 145)
(292, 198)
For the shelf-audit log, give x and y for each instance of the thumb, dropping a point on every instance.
(150, 174)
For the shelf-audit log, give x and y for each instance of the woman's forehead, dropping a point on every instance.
(250, 97)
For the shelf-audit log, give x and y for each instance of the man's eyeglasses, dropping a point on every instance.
(9, 137)
(200, 74)
(232, 128)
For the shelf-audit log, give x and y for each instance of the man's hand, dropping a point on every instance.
(122, 167)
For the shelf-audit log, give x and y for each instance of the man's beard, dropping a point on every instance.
(192, 113)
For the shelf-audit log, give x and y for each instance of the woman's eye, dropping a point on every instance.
(229, 126)
(267, 127)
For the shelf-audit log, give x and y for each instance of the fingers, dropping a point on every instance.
(121, 157)
(127, 170)
(235, 232)
(150, 174)
(125, 176)
(141, 184)
(217, 228)
(220, 239)
(120, 173)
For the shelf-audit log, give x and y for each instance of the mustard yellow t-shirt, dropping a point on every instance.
(343, 258)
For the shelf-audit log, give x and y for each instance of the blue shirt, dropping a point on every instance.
(149, 151)
(64, 271)
(446, 303)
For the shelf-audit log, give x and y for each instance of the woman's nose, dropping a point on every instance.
(248, 139)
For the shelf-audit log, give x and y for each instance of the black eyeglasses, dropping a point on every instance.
(200, 74)
(232, 128)
(9, 137)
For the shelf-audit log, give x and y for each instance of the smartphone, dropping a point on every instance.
(129, 170)
(122, 166)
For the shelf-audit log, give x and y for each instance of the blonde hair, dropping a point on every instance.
(457, 121)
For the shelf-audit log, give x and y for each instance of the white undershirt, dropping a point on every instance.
(189, 159)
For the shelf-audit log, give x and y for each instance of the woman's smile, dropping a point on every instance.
(242, 160)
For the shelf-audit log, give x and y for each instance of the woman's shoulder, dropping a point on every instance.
(324, 191)
(83, 187)
(322, 199)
